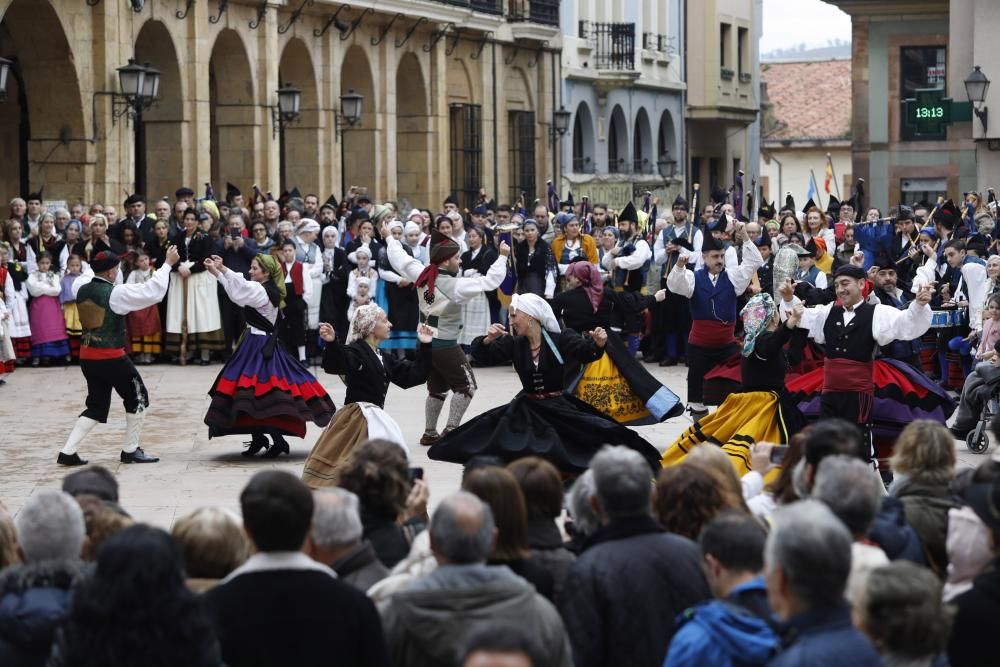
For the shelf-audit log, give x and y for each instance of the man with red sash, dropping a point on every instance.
(712, 292)
(851, 331)
(103, 306)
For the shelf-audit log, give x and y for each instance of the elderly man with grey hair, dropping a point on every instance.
(429, 622)
(629, 560)
(853, 493)
(807, 559)
(35, 597)
(335, 539)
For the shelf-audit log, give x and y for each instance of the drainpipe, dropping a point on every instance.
(770, 156)
(496, 148)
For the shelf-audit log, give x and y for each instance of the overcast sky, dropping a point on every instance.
(791, 22)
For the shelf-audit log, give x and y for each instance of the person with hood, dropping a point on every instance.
(428, 622)
(735, 628)
(36, 597)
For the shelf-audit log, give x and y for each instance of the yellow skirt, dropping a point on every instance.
(741, 421)
(348, 429)
(72, 317)
(605, 388)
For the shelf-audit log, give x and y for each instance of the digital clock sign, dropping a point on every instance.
(928, 112)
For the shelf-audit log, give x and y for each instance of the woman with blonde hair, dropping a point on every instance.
(924, 464)
(213, 544)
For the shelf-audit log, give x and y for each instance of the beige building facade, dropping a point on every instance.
(457, 96)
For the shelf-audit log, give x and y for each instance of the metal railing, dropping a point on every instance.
(545, 12)
(485, 6)
(613, 44)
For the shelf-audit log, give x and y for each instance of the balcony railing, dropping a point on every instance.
(486, 6)
(613, 44)
(545, 12)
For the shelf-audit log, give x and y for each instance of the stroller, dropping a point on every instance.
(988, 395)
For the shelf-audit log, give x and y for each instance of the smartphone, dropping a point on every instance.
(415, 474)
(778, 453)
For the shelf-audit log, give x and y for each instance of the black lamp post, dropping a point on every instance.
(287, 110)
(976, 87)
(351, 107)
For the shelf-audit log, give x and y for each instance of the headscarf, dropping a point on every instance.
(590, 280)
(273, 269)
(396, 224)
(536, 307)
(411, 227)
(365, 318)
(333, 231)
(772, 224)
(757, 314)
(308, 225)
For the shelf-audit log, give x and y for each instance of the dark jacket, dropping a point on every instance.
(972, 639)
(549, 551)
(926, 506)
(825, 638)
(361, 568)
(626, 563)
(295, 617)
(894, 534)
(533, 572)
(366, 377)
(390, 540)
(35, 600)
(428, 623)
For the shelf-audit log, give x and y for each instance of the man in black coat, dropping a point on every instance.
(281, 607)
(624, 592)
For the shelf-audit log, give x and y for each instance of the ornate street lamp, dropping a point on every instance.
(351, 104)
(976, 87)
(560, 121)
(667, 167)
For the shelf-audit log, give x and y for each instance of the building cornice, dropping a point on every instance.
(890, 7)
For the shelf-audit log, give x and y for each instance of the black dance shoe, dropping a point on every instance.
(668, 361)
(70, 460)
(258, 442)
(138, 456)
(279, 447)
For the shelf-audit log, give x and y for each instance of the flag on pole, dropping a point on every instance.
(553, 198)
(829, 175)
(812, 194)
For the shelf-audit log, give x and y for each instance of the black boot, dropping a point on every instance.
(258, 442)
(138, 456)
(278, 447)
(70, 460)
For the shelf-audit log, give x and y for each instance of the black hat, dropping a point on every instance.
(331, 202)
(883, 261)
(923, 204)
(483, 209)
(789, 202)
(947, 216)
(359, 214)
(104, 261)
(710, 243)
(810, 249)
(833, 206)
(680, 202)
(135, 199)
(718, 195)
(451, 199)
(852, 202)
(903, 213)
(765, 211)
(568, 202)
(629, 213)
(184, 192)
(850, 271)
(809, 204)
(232, 192)
(35, 196)
(682, 242)
(762, 240)
(984, 499)
(295, 194)
(977, 246)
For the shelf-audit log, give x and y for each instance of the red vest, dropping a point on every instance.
(296, 276)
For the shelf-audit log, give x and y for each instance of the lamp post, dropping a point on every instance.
(287, 110)
(139, 88)
(976, 86)
(351, 107)
(667, 168)
(560, 125)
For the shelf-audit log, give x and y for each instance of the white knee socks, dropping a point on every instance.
(84, 425)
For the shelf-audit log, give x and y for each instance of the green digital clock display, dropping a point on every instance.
(926, 113)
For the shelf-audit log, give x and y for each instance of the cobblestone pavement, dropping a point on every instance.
(38, 408)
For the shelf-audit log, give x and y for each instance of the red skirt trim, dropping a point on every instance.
(306, 390)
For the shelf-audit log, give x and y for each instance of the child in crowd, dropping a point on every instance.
(297, 289)
(48, 328)
(13, 275)
(362, 297)
(74, 329)
(364, 270)
(144, 328)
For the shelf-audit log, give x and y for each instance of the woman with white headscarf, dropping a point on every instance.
(333, 305)
(542, 420)
(367, 371)
(309, 253)
(397, 296)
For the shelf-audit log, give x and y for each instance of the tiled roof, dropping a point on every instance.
(810, 100)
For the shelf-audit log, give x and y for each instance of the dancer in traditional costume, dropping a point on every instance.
(851, 331)
(542, 420)
(49, 340)
(712, 291)
(760, 411)
(367, 371)
(477, 312)
(103, 306)
(144, 328)
(615, 384)
(442, 293)
(67, 297)
(262, 390)
(674, 313)
(397, 297)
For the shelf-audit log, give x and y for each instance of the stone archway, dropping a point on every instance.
(643, 159)
(617, 141)
(301, 138)
(666, 141)
(412, 133)
(159, 134)
(42, 130)
(232, 113)
(358, 161)
(583, 140)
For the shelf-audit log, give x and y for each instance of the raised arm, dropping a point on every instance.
(467, 289)
(889, 324)
(241, 291)
(493, 351)
(405, 373)
(680, 280)
(741, 275)
(402, 263)
(129, 298)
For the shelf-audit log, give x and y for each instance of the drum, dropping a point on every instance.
(941, 319)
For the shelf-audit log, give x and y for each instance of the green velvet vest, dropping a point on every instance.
(102, 327)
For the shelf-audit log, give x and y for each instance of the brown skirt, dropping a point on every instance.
(348, 429)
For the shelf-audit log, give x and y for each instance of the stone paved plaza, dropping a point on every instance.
(38, 407)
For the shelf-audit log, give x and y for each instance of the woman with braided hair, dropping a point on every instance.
(262, 389)
(367, 371)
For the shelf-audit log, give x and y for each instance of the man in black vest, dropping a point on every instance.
(850, 330)
(885, 277)
(103, 306)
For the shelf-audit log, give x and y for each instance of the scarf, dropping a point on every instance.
(365, 319)
(273, 269)
(757, 314)
(590, 280)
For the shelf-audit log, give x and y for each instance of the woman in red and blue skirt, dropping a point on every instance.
(262, 390)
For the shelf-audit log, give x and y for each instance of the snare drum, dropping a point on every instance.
(941, 319)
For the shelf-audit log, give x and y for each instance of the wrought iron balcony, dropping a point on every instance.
(545, 12)
(613, 44)
(485, 6)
